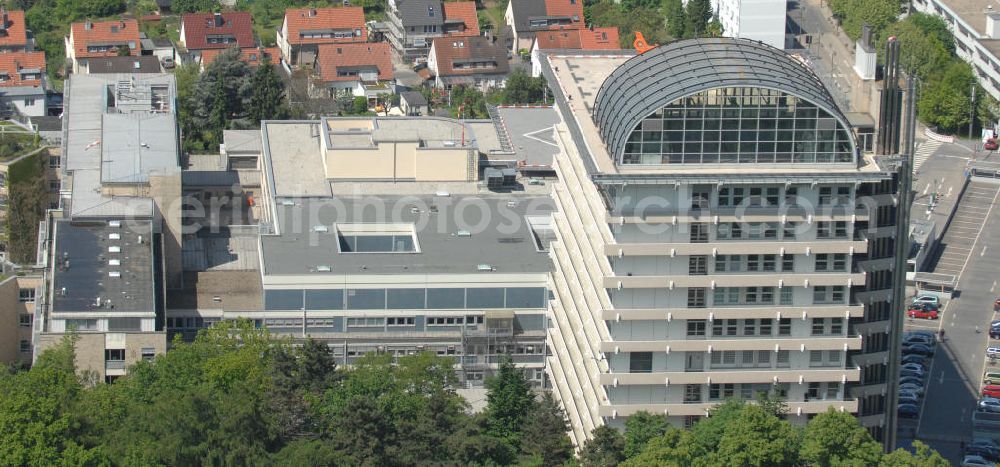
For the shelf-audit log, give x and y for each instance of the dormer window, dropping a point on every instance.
(430, 12)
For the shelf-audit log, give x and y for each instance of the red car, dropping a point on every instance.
(991, 145)
(923, 313)
(991, 390)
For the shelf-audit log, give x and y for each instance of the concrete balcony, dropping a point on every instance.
(652, 215)
(737, 247)
(711, 281)
(702, 408)
(735, 376)
(746, 312)
(792, 344)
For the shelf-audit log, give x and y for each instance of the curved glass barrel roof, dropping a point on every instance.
(720, 101)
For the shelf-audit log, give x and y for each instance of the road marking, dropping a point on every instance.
(994, 286)
(983, 253)
(944, 311)
(533, 133)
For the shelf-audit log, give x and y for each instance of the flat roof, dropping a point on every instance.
(433, 132)
(499, 235)
(133, 147)
(295, 161)
(973, 12)
(242, 141)
(531, 134)
(575, 80)
(218, 290)
(84, 269)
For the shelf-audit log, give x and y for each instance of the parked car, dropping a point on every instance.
(917, 389)
(991, 390)
(911, 372)
(976, 461)
(989, 404)
(926, 298)
(925, 306)
(914, 358)
(918, 339)
(919, 349)
(923, 314)
(996, 304)
(168, 62)
(917, 380)
(992, 352)
(991, 145)
(906, 397)
(982, 450)
(908, 410)
(991, 377)
(913, 366)
(994, 332)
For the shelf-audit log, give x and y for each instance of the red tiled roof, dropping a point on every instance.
(12, 62)
(15, 31)
(449, 50)
(111, 33)
(564, 8)
(464, 12)
(198, 27)
(252, 56)
(332, 57)
(585, 39)
(324, 19)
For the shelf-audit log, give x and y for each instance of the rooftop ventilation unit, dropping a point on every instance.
(323, 269)
(463, 233)
(320, 228)
(114, 249)
(115, 224)
(287, 202)
(114, 274)
(114, 236)
(485, 268)
(114, 262)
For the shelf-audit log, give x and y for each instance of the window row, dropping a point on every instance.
(735, 327)
(406, 299)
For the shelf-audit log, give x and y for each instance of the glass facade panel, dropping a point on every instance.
(400, 299)
(739, 125)
(325, 299)
(366, 299)
(445, 298)
(485, 298)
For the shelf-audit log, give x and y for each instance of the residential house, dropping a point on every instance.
(305, 28)
(13, 33)
(88, 40)
(473, 61)
(211, 31)
(143, 64)
(527, 17)
(22, 83)
(359, 69)
(252, 56)
(572, 39)
(413, 24)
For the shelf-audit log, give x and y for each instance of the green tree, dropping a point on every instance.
(219, 100)
(268, 95)
(676, 19)
(945, 100)
(852, 14)
(669, 449)
(192, 6)
(697, 15)
(922, 50)
(521, 88)
(923, 457)
(835, 438)
(642, 427)
(606, 448)
(544, 433)
(758, 438)
(359, 105)
(508, 402)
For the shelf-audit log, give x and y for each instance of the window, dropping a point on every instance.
(785, 327)
(781, 359)
(765, 327)
(400, 321)
(789, 230)
(24, 320)
(724, 327)
(692, 393)
(148, 353)
(696, 297)
(29, 101)
(25, 346)
(699, 233)
(786, 295)
(840, 195)
(26, 295)
(836, 325)
(731, 196)
(749, 327)
(365, 322)
(835, 294)
(114, 355)
(640, 362)
(54, 185)
(696, 327)
(698, 265)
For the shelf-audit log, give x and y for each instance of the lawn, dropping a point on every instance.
(15, 144)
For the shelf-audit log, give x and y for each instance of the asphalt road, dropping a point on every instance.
(969, 250)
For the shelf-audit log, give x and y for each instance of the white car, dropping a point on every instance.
(931, 299)
(976, 461)
(992, 352)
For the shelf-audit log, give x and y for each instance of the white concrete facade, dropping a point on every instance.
(760, 20)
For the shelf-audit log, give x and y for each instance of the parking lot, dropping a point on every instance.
(969, 250)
